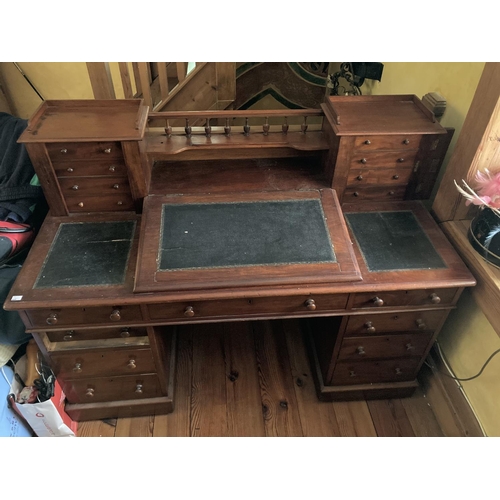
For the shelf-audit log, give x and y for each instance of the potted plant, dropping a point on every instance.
(484, 230)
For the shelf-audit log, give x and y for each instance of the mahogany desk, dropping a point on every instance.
(149, 230)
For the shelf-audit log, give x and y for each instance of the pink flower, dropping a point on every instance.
(488, 188)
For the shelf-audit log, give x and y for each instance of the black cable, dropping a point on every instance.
(468, 378)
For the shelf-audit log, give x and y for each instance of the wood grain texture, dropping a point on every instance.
(101, 81)
(135, 427)
(97, 428)
(422, 419)
(353, 419)
(390, 419)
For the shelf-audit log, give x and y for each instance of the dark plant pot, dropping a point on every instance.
(484, 235)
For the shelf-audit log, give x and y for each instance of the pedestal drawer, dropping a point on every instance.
(426, 297)
(372, 372)
(375, 142)
(383, 159)
(73, 187)
(112, 388)
(78, 365)
(62, 151)
(380, 193)
(369, 177)
(384, 346)
(78, 168)
(100, 203)
(96, 334)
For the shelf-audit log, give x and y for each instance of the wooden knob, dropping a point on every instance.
(189, 312)
(77, 368)
(406, 141)
(112, 168)
(120, 203)
(125, 333)
(378, 301)
(132, 364)
(138, 388)
(420, 324)
(69, 335)
(352, 373)
(369, 327)
(80, 204)
(391, 193)
(64, 151)
(395, 176)
(115, 315)
(401, 160)
(75, 187)
(410, 347)
(107, 151)
(89, 392)
(435, 299)
(361, 350)
(359, 177)
(398, 371)
(368, 142)
(52, 319)
(363, 160)
(116, 186)
(69, 169)
(310, 304)
(355, 194)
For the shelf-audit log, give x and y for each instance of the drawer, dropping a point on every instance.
(111, 388)
(372, 372)
(103, 362)
(355, 194)
(384, 346)
(378, 176)
(81, 168)
(96, 203)
(62, 151)
(74, 187)
(294, 305)
(425, 297)
(74, 316)
(383, 159)
(370, 324)
(96, 334)
(378, 142)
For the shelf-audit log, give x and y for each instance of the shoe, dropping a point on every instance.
(15, 238)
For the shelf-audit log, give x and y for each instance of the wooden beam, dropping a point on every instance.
(226, 81)
(137, 80)
(477, 146)
(126, 82)
(181, 71)
(145, 83)
(162, 76)
(101, 81)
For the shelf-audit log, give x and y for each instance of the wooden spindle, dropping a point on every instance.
(265, 127)
(227, 128)
(246, 128)
(303, 127)
(168, 129)
(208, 128)
(187, 128)
(284, 127)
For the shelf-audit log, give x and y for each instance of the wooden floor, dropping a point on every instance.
(254, 379)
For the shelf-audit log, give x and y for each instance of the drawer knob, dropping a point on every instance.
(120, 203)
(435, 298)
(75, 187)
(363, 160)
(420, 324)
(115, 315)
(410, 347)
(116, 186)
(352, 373)
(310, 304)
(112, 168)
(138, 388)
(125, 332)
(406, 141)
(107, 150)
(391, 193)
(77, 368)
(131, 364)
(378, 301)
(359, 177)
(89, 392)
(398, 371)
(368, 142)
(80, 204)
(401, 160)
(355, 193)
(69, 169)
(361, 350)
(189, 311)
(52, 319)
(369, 327)
(64, 151)
(69, 335)
(396, 177)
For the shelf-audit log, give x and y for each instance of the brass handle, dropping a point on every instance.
(369, 327)
(64, 151)
(75, 187)
(352, 373)
(189, 311)
(138, 388)
(378, 301)
(410, 347)
(395, 176)
(108, 150)
(310, 304)
(368, 142)
(69, 335)
(401, 160)
(80, 204)
(132, 364)
(52, 319)
(359, 177)
(69, 169)
(125, 333)
(361, 350)
(435, 298)
(116, 186)
(398, 371)
(406, 141)
(420, 324)
(77, 368)
(90, 392)
(363, 160)
(112, 168)
(115, 315)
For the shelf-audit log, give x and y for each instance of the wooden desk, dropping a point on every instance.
(103, 307)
